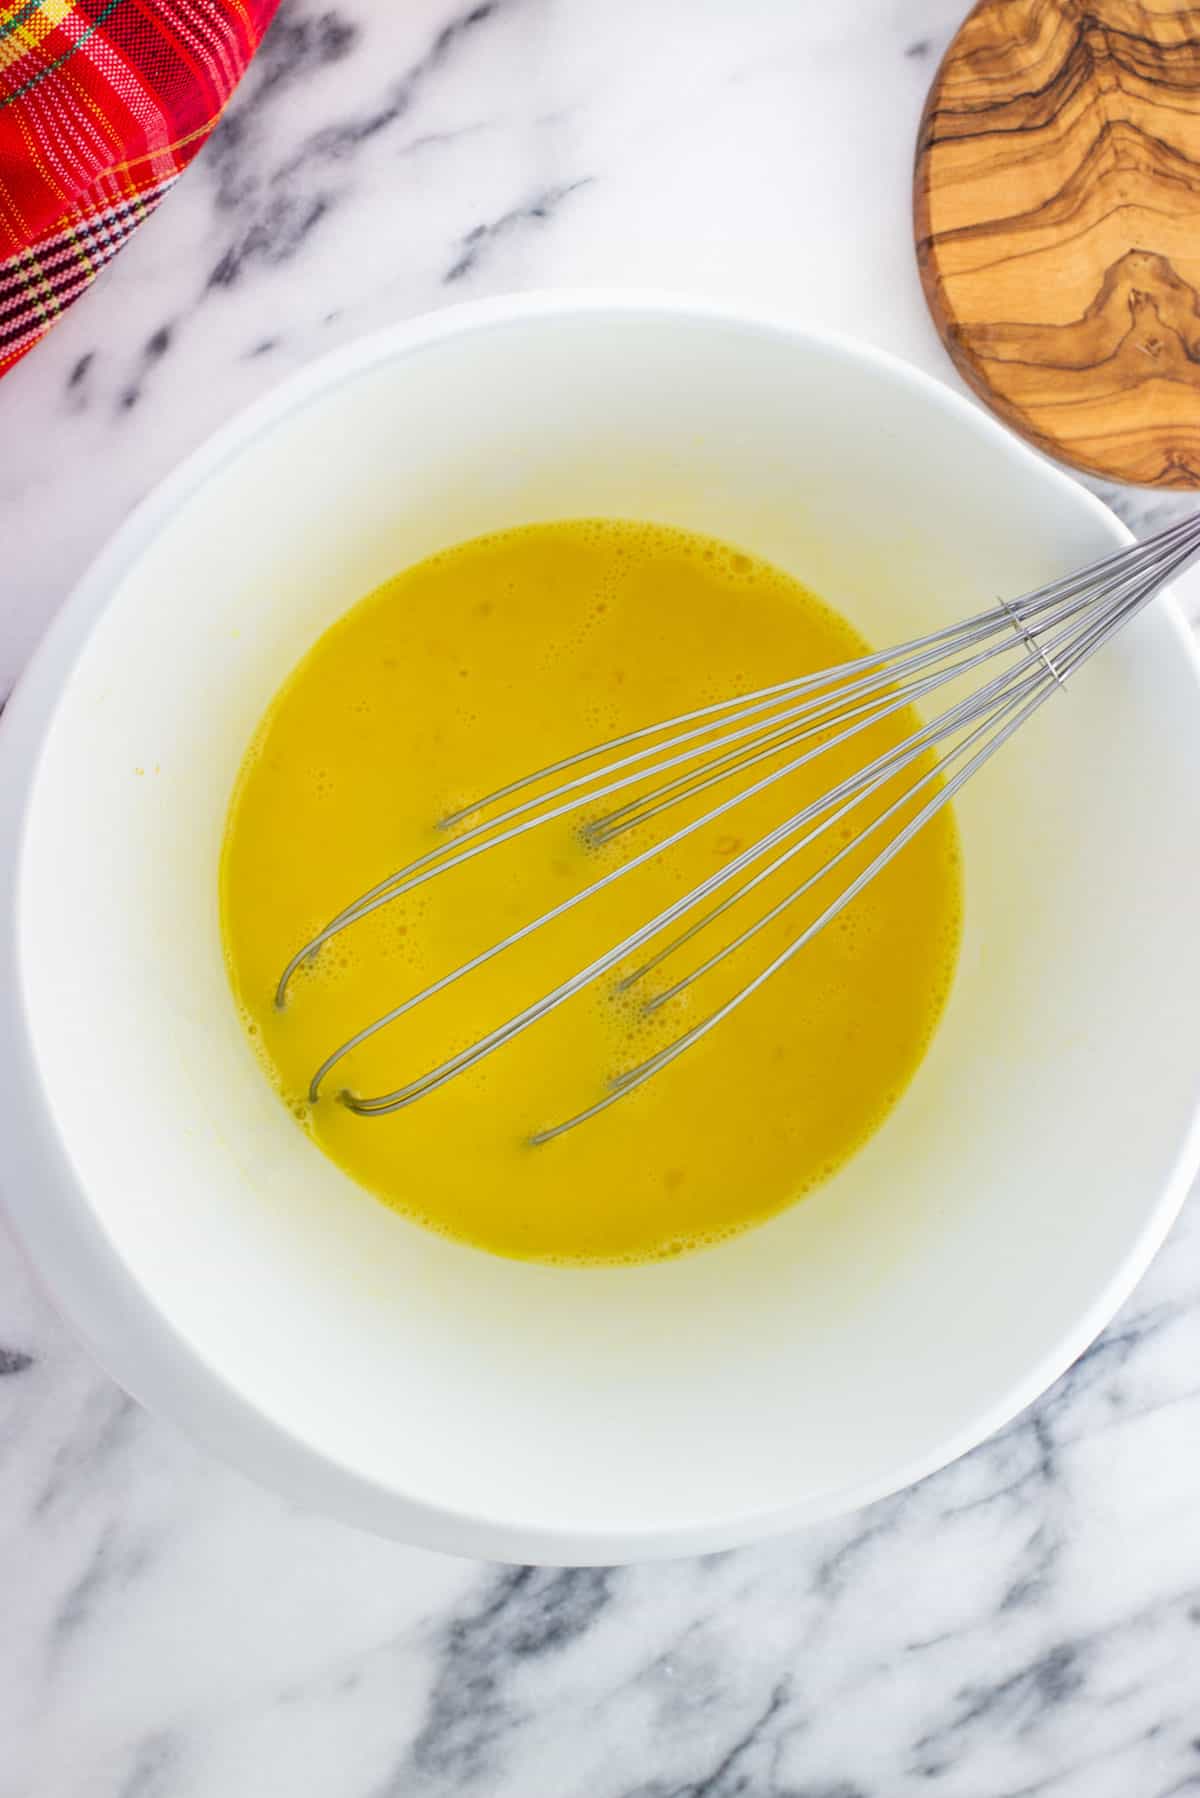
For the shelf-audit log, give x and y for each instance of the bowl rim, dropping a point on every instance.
(52, 1216)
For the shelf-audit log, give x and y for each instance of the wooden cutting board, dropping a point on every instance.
(1057, 217)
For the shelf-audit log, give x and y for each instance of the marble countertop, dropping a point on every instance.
(1027, 1621)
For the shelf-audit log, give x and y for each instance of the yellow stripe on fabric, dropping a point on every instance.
(54, 144)
(97, 214)
(72, 50)
(25, 36)
(41, 295)
(81, 91)
(106, 126)
(178, 143)
(35, 155)
(18, 14)
(251, 42)
(82, 253)
(125, 81)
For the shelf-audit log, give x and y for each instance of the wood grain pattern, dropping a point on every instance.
(1057, 217)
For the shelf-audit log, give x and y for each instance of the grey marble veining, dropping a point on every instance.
(1028, 1621)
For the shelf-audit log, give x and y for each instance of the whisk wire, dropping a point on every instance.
(884, 667)
(883, 767)
(771, 733)
(872, 775)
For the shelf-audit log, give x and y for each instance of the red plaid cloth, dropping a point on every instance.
(103, 103)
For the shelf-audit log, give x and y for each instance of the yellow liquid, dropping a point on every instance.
(467, 671)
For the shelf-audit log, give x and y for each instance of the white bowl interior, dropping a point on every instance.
(948, 1269)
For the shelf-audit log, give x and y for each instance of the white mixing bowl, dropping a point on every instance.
(228, 1275)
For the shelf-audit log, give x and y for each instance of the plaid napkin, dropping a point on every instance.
(103, 103)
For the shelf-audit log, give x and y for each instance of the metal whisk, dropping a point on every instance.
(1038, 642)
